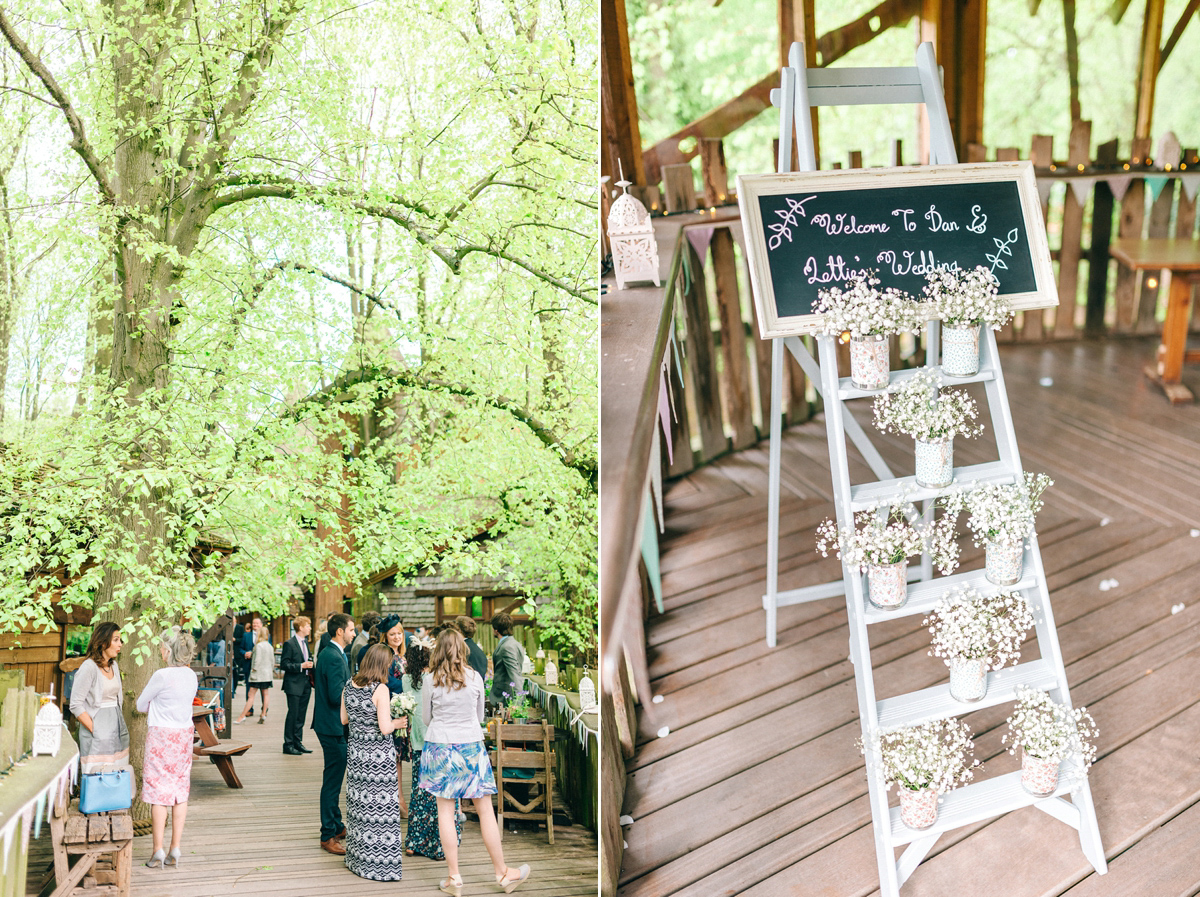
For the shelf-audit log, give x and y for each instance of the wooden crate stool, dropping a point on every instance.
(524, 756)
(103, 846)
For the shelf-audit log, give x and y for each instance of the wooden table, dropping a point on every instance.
(210, 746)
(1182, 259)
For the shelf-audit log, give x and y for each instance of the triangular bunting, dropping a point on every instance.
(656, 479)
(1118, 184)
(1156, 185)
(700, 237)
(1044, 186)
(664, 412)
(1190, 182)
(1081, 187)
(37, 819)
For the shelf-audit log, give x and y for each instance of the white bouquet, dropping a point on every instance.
(967, 298)
(404, 704)
(877, 539)
(1002, 514)
(966, 624)
(915, 408)
(1050, 731)
(938, 755)
(862, 309)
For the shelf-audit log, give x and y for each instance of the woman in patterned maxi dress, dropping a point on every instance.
(374, 839)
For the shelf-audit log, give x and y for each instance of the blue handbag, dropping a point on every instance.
(100, 792)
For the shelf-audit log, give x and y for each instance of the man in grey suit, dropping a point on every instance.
(506, 662)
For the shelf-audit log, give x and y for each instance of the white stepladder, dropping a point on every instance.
(801, 89)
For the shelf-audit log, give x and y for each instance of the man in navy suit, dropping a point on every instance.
(296, 664)
(331, 673)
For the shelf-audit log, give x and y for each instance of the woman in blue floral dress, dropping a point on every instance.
(422, 838)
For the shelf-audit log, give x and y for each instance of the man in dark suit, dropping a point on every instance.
(476, 659)
(506, 662)
(331, 673)
(296, 664)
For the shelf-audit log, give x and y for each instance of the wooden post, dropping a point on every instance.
(1133, 213)
(958, 32)
(679, 188)
(1158, 226)
(1071, 248)
(1102, 214)
(1148, 65)
(1041, 154)
(799, 27)
(702, 362)
(618, 100)
(713, 172)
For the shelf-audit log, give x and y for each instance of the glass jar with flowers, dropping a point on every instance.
(918, 408)
(924, 762)
(880, 544)
(867, 316)
(975, 633)
(963, 301)
(1001, 519)
(1048, 733)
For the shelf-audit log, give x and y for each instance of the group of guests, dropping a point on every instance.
(96, 701)
(353, 677)
(365, 747)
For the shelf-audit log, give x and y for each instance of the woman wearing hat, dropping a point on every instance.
(392, 634)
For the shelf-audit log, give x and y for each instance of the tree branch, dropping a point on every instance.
(397, 211)
(79, 140)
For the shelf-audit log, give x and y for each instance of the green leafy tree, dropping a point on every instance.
(341, 305)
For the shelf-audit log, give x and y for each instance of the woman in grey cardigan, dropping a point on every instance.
(96, 702)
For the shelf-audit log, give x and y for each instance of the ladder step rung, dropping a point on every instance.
(868, 495)
(923, 596)
(847, 389)
(979, 801)
(936, 703)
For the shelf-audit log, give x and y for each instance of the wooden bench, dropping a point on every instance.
(222, 755)
(103, 845)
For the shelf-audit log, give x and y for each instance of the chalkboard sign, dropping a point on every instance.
(809, 231)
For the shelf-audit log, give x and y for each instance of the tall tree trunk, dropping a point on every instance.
(1072, 59)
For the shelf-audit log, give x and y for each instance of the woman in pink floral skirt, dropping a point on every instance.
(167, 768)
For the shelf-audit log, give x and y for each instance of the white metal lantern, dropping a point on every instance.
(587, 692)
(631, 235)
(551, 673)
(47, 729)
(526, 664)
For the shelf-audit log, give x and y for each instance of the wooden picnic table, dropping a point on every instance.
(1182, 259)
(209, 745)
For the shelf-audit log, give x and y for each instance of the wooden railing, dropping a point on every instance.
(720, 386)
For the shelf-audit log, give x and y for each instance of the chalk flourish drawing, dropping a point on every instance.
(789, 215)
(1003, 247)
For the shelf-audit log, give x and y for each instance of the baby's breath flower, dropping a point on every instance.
(862, 309)
(915, 407)
(966, 624)
(1051, 731)
(1003, 514)
(967, 298)
(889, 538)
(938, 754)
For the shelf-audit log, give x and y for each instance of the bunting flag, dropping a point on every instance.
(37, 819)
(664, 410)
(656, 480)
(1190, 182)
(1118, 184)
(700, 237)
(650, 545)
(1043, 187)
(1081, 187)
(1156, 185)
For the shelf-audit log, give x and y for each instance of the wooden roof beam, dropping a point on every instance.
(1177, 31)
(1148, 65)
(732, 114)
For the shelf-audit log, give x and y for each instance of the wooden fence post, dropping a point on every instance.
(1133, 213)
(1102, 215)
(679, 188)
(1071, 246)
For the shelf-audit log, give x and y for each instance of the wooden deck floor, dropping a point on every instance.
(263, 839)
(758, 788)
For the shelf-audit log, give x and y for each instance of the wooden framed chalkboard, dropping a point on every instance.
(806, 231)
